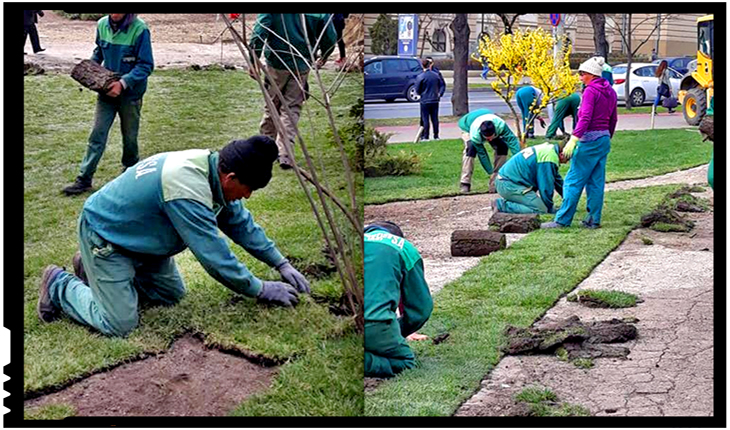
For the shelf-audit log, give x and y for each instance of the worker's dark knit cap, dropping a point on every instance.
(250, 159)
(487, 129)
(388, 226)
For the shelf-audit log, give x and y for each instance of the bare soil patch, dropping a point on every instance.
(188, 380)
(178, 41)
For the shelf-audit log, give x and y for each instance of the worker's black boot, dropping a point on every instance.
(79, 268)
(79, 186)
(47, 311)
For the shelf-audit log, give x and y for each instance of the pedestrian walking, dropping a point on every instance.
(431, 86)
(122, 45)
(30, 19)
(664, 90)
(590, 143)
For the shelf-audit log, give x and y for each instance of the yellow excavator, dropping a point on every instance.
(697, 88)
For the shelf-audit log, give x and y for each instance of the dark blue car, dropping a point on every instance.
(392, 77)
(679, 64)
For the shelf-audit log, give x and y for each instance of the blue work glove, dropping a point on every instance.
(292, 276)
(278, 293)
(570, 146)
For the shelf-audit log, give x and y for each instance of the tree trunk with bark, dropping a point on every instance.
(629, 57)
(475, 243)
(460, 92)
(598, 21)
(515, 223)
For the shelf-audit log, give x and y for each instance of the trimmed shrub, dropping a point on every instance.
(384, 36)
(378, 162)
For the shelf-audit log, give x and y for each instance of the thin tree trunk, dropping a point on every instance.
(598, 20)
(460, 93)
(629, 57)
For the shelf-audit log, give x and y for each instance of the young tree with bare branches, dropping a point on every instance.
(626, 33)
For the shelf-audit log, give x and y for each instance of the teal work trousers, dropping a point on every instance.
(587, 170)
(518, 199)
(109, 303)
(107, 109)
(386, 352)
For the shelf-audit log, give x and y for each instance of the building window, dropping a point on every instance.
(438, 40)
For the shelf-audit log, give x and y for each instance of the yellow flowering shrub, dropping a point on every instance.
(513, 57)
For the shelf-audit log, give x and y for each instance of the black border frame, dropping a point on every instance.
(13, 197)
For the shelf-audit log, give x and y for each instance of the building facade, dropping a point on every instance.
(676, 34)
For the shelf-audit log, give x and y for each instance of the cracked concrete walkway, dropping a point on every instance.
(669, 371)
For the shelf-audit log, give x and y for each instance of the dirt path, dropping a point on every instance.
(189, 380)
(428, 223)
(178, 40)
(669, 371)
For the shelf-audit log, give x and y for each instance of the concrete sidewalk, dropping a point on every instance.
(407, 133)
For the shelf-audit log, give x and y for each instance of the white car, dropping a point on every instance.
(643, 83)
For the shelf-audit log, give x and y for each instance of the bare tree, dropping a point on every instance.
(626, 36)
(340, 251)
(460, 93)
(598, 21)
(509, 22)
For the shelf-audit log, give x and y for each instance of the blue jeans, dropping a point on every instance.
(116, 282)
(587, 170)
(518, 199)
(106, 110)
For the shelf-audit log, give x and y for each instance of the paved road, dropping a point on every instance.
(625, 122)
(403, 109)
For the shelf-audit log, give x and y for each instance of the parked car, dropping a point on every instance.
(643, 82)
(680, 64)
(390, 77)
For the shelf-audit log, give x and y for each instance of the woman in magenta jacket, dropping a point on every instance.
(590, 143)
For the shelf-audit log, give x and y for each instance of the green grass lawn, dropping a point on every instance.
(183, 110)
(634, 154)
(515, 286)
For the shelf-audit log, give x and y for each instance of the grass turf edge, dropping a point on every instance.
(499, 291)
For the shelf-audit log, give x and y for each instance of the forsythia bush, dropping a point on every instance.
(513, 57)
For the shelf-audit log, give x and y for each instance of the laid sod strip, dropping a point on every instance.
(634, 155)
(604, 298)
(182, 110)
(49, 412)
(515, 286)
(315, 384)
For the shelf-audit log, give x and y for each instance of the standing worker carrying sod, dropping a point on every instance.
(284, 38)
(431, 86)
(393, 279)
(534, 170)
(565, 107)
(477, 127)
(591, 141)
(122, 46)
(529, 98)
(130, 230)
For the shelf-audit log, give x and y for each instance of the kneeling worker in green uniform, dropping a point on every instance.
(535, 168)
(131, 228)
(393, 279)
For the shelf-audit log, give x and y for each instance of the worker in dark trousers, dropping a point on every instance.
(338, 20)
(30, 18)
